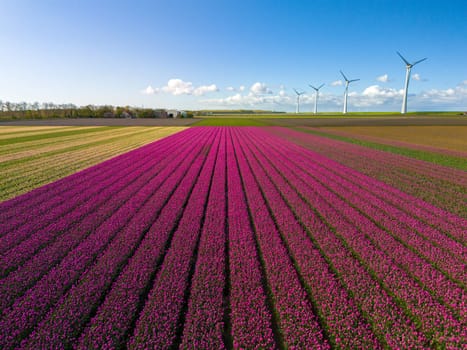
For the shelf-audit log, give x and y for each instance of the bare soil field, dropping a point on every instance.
(374, 121)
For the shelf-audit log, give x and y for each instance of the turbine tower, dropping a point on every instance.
(298, 100)
(316, 96)
(346, 92)
(407, 78)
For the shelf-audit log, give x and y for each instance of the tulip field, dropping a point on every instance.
(238, 238)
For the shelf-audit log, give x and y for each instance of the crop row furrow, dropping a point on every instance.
(124, 227)
(115, 316)
(359, 155)
(398, 199)
(157, 324)
(346, 221)
(68, 197)
(342, 320)
(437, 283)
(251, 320)
(204, 325)
(299, 325)
(21, 279)
(59, 187)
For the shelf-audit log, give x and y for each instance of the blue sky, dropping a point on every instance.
(200, 54)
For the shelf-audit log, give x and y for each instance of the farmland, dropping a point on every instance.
(233, 237)
(34, 156)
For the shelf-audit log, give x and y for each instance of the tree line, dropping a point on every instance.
(47, 110)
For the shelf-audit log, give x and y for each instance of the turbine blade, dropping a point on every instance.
(312, 87)
(423, 59)
(345, 78)
(351, 81)
(403, 59)
(321, 86)
(296, 92)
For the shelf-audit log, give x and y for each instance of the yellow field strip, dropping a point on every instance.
(23, 176)
(8, 132)
(31, 148)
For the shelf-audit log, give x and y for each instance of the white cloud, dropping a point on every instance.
(150, 90)
(241, 88)
(383, 78)
(260, 88)
(201, 90)
(230, 88)
(178, 87)
(372, 98)
(416, 76)
(337, 83)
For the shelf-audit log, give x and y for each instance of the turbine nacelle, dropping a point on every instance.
(407, 63)
(316, 88)
(299, 93)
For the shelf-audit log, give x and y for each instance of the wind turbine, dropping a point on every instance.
(298, 99)
(316, 96)
(407, 78)
(347, 82)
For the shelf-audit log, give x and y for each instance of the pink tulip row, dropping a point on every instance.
(351, 228)
(204, 326)
(427, 238)
(414, 206)
(232, 238)
(342, 320)
(36, 246)
(120, 229)
(37, 202)
(388, 321)
(251, 320)
(57, 205)
(373, 163)
(158, 324)
(114, 317)
(64, 322)
(298, 324)
(435, 281)
(437, 171)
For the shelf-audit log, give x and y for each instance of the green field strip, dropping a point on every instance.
(62, 142)
(20, 179)
(231, 122)
(445, 160)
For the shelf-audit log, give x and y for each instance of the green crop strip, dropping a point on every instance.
(231, 122)
(445, 160)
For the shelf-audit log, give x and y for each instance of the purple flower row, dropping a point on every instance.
(298, 324)
(359, 233)
(123, 229)
(412, 205)
(158, 322)
(204, 324)
(249, 315)
(436, 282)
(343, 321)
(62, 220)
(38, 203)
(20, 280)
